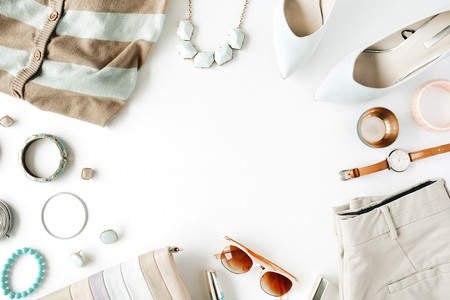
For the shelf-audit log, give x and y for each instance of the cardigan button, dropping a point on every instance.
(16, 94)
(54, 16)
(37, 55)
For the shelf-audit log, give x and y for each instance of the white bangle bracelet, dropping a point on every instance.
(416, 105)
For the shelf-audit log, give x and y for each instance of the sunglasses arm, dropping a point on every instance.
(284, 297)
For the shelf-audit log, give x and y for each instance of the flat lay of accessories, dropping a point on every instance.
(81, 59)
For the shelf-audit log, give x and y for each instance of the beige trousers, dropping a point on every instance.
(396, 247)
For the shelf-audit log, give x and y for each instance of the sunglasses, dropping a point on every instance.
(238, 259)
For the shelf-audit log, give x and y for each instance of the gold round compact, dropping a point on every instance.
(378, 127)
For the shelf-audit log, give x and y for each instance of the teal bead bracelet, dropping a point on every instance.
(5, 280)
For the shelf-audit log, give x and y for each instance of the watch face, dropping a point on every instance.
(399, 160)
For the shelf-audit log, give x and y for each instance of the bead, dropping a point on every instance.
(4, 272)
(235, 39)
(6, 292)
(18, 295)
(37, 255)
(3, 279)
(38, 280)
(10, 260)
(14, 256)
(7, 266)
(11, 295)
(40, 261)
(41, 268)
(4, 286)
(40, 274)
(30, 291)
(223, 55)
(186, 49)
(19, 252)
(35, 285)
(32, 251)
(204, 59)
(185, 30)
(24, 294)
(25, 250)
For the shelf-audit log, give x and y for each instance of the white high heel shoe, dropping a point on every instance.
(374, 71)
(297, 30)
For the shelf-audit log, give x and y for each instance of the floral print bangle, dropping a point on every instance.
(62, 152)
(5, 280)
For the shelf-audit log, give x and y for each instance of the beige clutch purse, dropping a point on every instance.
(152, 276)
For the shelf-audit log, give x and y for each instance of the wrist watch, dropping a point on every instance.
(398, 161)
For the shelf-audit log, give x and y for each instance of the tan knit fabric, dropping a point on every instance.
(78, 58)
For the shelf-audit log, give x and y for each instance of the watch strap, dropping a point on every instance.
(429, 152)
(358, 172)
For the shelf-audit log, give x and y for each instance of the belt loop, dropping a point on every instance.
(387, 216)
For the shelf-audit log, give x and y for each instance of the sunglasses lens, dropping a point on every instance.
(236, 260)
(275, 284)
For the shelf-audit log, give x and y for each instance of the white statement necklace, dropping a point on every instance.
(206, 59)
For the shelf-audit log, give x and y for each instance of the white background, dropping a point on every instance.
(232, 150)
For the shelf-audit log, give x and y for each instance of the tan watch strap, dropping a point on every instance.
(429, 152)
(355, 173)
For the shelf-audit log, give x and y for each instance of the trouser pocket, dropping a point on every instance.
(429, 284)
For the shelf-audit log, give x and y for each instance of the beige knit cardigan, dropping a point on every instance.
(78, 58)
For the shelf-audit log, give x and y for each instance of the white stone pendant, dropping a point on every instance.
(204, 60)
(186, 49)
(185, 30)
(223, 54)
(235, 39)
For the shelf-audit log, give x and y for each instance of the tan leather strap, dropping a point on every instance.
(355, 173)
(429, 152)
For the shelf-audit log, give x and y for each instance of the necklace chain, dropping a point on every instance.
(241, 20)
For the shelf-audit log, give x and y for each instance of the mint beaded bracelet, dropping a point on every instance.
(5, 279)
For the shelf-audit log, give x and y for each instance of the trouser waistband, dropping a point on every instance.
(366, 218)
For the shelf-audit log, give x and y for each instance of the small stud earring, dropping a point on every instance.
(109, 236)
(6, 121)
(87, 173)
(77, 259)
